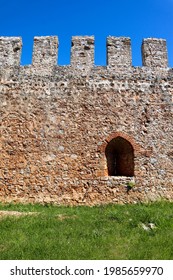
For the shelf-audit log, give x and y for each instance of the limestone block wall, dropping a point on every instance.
(61, 127)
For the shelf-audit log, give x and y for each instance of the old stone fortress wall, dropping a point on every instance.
(81, 133)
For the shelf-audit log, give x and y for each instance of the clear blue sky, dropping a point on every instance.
(132, 18)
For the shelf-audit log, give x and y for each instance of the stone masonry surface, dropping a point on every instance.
(85, 134)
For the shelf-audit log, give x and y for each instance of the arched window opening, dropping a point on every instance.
(120, 157)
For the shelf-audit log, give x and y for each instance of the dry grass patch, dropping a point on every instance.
(62, 217)
(4, 213)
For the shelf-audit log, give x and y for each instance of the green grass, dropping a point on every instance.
(100, 232)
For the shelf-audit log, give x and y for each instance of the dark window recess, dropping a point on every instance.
(120, 157)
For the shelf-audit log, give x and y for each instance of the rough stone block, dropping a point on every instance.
(45, 51)
(154, 53)
(10, 51)
(82, 52)
(119, 51)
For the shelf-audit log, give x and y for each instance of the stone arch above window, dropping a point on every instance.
(137, 148)
(120, 157)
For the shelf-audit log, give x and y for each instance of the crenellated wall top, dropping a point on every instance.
(45, 52)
